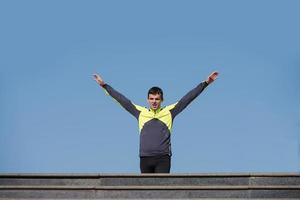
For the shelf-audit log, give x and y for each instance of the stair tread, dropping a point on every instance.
(138, 187)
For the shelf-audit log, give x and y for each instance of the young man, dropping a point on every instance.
(155, 123)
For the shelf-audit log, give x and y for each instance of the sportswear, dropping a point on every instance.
(155, 126)
(155, 164)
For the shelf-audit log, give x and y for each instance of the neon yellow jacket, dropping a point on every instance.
(155, 126)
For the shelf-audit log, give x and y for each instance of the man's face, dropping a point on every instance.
(154, 101)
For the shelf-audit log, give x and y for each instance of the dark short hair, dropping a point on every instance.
(156, 90)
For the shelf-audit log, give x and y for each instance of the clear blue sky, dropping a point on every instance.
(55, 118)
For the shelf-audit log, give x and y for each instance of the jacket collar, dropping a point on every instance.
(155, 111)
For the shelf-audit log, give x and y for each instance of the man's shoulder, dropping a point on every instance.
(140, 108)
(170, 107)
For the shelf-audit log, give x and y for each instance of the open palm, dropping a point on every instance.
(98, 79)
(212, 77)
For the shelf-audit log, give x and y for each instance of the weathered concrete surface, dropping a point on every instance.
(151, 186)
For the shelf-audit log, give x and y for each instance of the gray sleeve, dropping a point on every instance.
(188, 98)
(125, 103)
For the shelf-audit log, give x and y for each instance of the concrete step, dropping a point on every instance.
(149, 179)
(172, 199)
(151, 186)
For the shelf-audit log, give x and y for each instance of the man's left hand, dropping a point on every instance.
(212, 77)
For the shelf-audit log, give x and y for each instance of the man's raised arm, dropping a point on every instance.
(125, 103)
(191, 95)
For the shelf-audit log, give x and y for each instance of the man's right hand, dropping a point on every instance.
(98, 79)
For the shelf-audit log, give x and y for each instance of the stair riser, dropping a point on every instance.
(105, 194)
(274, 181)
(123, 181)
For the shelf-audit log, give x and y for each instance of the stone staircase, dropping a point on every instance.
(151, 186)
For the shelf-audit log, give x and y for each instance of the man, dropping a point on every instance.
(155, 123)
